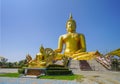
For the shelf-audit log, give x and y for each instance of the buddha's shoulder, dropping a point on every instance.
(67, 35)
(63, 35)
(80, 34)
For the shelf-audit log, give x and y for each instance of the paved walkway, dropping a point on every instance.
(91, 77)
(100, 77)
(8, 70)
(6, 80)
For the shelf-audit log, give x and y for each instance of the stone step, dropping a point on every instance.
(74, 66)
(89, 65)
(84, 66)
(96, 66)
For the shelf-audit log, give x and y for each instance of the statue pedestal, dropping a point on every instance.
(35, 71)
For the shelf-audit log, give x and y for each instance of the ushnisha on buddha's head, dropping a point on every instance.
(71, 25)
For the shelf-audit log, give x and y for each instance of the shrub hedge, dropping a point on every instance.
(57, 70)
(21, 71)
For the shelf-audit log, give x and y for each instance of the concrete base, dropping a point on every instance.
(29, 76)
(34, 71)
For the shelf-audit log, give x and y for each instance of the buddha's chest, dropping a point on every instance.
(71, 37)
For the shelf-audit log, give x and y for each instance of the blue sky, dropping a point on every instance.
(26, 24)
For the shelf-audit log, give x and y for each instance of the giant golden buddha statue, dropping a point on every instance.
(75, 48)
(75, 45)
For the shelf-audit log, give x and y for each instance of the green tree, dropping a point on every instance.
(3, 62)
(22, 63)
(114, 64)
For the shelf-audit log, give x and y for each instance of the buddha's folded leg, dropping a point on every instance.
(59, 56)
(87, 56)
(92, 53)
(78, 54)
(80, 57)
(82, 54)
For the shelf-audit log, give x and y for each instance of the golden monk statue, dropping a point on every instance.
(42, 59)
(39, 61)
(75, 45)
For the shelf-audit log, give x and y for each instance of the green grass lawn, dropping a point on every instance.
(9, 75)
(66, 77)
(59, 77)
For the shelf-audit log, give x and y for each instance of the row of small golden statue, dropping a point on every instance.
(75, 48)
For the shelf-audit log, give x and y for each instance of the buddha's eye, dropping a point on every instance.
(69, 23)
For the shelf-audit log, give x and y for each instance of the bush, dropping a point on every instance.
(57, 68)
(21, 71)
(58, 72)
(55, 65)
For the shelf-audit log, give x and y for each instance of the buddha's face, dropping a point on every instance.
(71, 26)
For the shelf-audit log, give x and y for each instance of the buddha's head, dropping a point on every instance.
(71, 25)
(41, 49)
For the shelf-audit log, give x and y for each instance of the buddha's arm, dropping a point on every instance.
(82, 44)
(60, 45)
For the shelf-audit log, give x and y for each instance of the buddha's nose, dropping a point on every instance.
(70, 24)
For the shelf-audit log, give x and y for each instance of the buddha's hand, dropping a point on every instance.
(79, 51)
